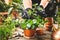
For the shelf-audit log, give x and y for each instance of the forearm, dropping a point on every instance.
(44, 3)
(58, 0)
(27, 4)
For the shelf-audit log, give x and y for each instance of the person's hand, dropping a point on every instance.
(27, 13)
(41, 11)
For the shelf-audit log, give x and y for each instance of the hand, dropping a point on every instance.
(42, 14)
(27, 14)
(41, 11)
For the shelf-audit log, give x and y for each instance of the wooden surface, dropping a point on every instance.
(45, 36)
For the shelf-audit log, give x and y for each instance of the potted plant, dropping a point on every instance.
(4, 8)
(30, 26)
(49, 23)
(56, 32)
(16, 8)
(13, 7)
(40, 29)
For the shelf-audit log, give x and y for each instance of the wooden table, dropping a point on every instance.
(46, 36)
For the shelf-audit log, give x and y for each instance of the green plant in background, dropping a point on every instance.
(16, 5)
(6, 29)
(4, 7)
(8, 24)
(58, 19)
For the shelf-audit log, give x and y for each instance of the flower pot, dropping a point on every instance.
(48, 25)
(39, 31)
(56, 35)
(3, 13)
(29, 33)
(15, 14)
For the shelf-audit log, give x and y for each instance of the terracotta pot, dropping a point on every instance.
(29, 33)
(15, 14)
(48, 25)
(40, 32)
(3, 13)
(56, 35)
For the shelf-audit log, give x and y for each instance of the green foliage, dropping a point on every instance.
(8, 23)
(6, 28)
(35, 21)
(32, 23)
(58, 17)
(4, 7)
(18, 1)
(15, 5)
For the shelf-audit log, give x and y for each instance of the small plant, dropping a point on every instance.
(30, 23)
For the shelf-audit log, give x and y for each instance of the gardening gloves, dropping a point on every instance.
(28, 13)
(25, 14)
(41, 11)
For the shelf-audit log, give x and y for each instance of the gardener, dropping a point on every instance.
(48, 8)
(28, 6)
